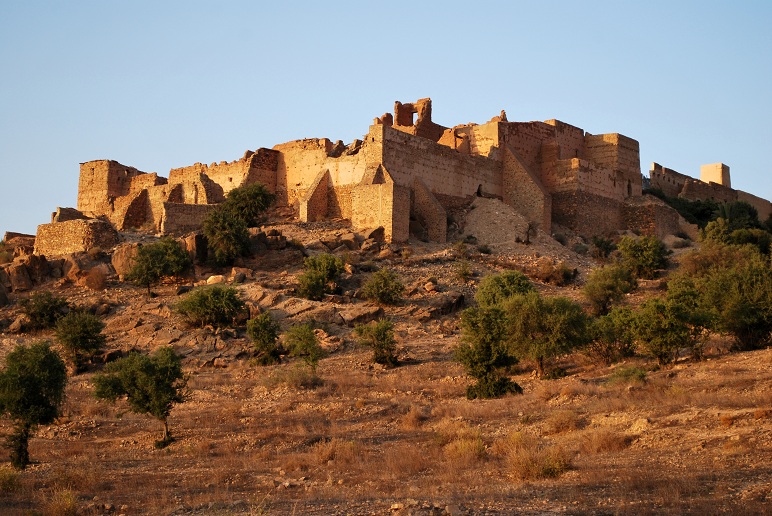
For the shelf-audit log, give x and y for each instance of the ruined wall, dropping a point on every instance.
(101, 180)
(585, 213)
(570, 139)
(695, 190)
(314, 202)
(667, 180)
(617, 152)
(526, 139)
(74, 236)
(649, 215)
(182, 218)
(429, 212)
(523, 191)
(385, 204)
(443, 170)
(423, 125)
(143, 181)
(763, 206)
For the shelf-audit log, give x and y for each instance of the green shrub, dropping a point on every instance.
(152, 385)
(497, 288)
(739, 215)
(607, 286)
(215, 305)
(644, 256)
(31, 393)
(758, 238)
(662, 328)
(612, 339)
(158, 260)
(463, 270)
(301, 341)
(44, 309)
(6, 255)
(384, 287)
(483, 352)
(484, 249)
(227, 236)
(263, 330)
(542, 328)
(602, 247)
(80, 334)
(380, 337)
(321, 273)
(580, 248)
(627, 375)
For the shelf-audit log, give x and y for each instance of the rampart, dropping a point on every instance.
(74, 236)
(409, 171)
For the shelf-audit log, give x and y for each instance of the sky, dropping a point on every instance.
(158, 85)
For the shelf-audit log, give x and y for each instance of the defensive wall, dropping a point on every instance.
(407, 173)
(714, 184)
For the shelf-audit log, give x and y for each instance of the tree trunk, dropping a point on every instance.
(18, 442)
(540, 367)
(166, 430)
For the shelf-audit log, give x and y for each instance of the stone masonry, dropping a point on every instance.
(405, 175)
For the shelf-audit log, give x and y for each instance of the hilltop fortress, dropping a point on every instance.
(405, 175)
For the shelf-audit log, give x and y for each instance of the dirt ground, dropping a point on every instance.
(695, 438)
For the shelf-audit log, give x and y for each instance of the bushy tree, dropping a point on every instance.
(227, 226)
(483, 352)
(43, 309)
(31, 393)
(607, 286)
(152, 385)
(497, 288)
(662, 328)
(738, 215)
(227, 236)
(321, 273)
(383, 287)
(80, 334)
(263, 330)
(612, 338)
(248, 203)
(380, 337)
(215, 305)
(301, 341)
(644, 255)
(161, 259)
(542, 328)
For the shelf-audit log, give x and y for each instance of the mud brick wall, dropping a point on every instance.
(99, 181)
(763, 206)
(385, 204)
(585, 213)
(655, 219)
(442, 169)
(524, 192)
(339, 201)
(526, 139)
(182, 218)
(429, 212)
(313, 204)
(694, 190)
(619, 153)
(667, 180)
(143, 181)
(570, 139)
(74, 236)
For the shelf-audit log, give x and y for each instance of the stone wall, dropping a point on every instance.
(100, 182)
(74, 236)
(652, 216)
(587, 214)
(669, 181)
(314, 203)
(429, 212)
(182, 218)
(523, 191)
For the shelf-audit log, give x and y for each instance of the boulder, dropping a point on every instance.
(18, 325)
(361, 314)
(37, 267)
(19, 277)
(123, 259)
(215, 279)
(350, 241)
(370, 245)
(376, 234)
(4, 279)
(446, 303)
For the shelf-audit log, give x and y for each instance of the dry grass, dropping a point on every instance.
(562, 421)
(603, 440)
(530, 458)
(61, 502)
(10, 479)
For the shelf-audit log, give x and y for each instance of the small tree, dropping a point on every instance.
(31, 393)
(542, 328)
(497, 288)
(152, 385)
(263, 330)
(248, 203)
(612, 338)
(383, 287)
(226, 235)
(380, 337)
(80, 334)
(301, 341)
(662, 328)
(607, 286)
(44, 309)
(215, 305)
(644, 256)
(161, 259)
(483, 352)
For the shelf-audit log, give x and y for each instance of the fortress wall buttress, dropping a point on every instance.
(100, 182)
(587, 214)
(618, 153)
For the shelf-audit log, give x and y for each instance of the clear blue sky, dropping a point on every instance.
(163, 84)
